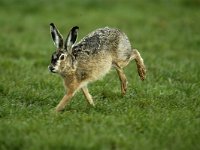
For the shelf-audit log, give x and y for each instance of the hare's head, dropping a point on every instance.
(62, 58)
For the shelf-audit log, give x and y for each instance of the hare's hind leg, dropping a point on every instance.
(140, 64)
(87, 95)
(122, 78)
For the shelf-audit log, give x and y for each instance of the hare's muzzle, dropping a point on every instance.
(51, 69)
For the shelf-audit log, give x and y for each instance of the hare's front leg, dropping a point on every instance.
(87, 95)
(67, 97)
(71, 90)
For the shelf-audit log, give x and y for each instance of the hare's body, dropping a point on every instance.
(92, 58)
(97, 52)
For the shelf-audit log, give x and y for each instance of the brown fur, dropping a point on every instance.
(92, 58)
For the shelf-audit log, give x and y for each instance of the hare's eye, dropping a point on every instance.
(62, 57)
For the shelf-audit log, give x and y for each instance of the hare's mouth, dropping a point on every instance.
(51, 69)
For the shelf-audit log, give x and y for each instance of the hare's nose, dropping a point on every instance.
(51, 68)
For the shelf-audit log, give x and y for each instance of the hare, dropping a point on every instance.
(91, 59)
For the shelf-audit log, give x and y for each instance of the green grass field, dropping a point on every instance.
(161, 113)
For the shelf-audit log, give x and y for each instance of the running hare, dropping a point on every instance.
(90, 59)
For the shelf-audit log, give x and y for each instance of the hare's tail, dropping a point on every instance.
(140, 64)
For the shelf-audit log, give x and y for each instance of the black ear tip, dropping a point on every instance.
(52, 24)
(75, 28)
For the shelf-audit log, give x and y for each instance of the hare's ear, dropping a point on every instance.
(56, 36)
(71, 38)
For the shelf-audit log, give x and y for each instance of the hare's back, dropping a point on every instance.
(98, 40)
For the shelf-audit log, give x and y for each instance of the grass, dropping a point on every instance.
(163, 112)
